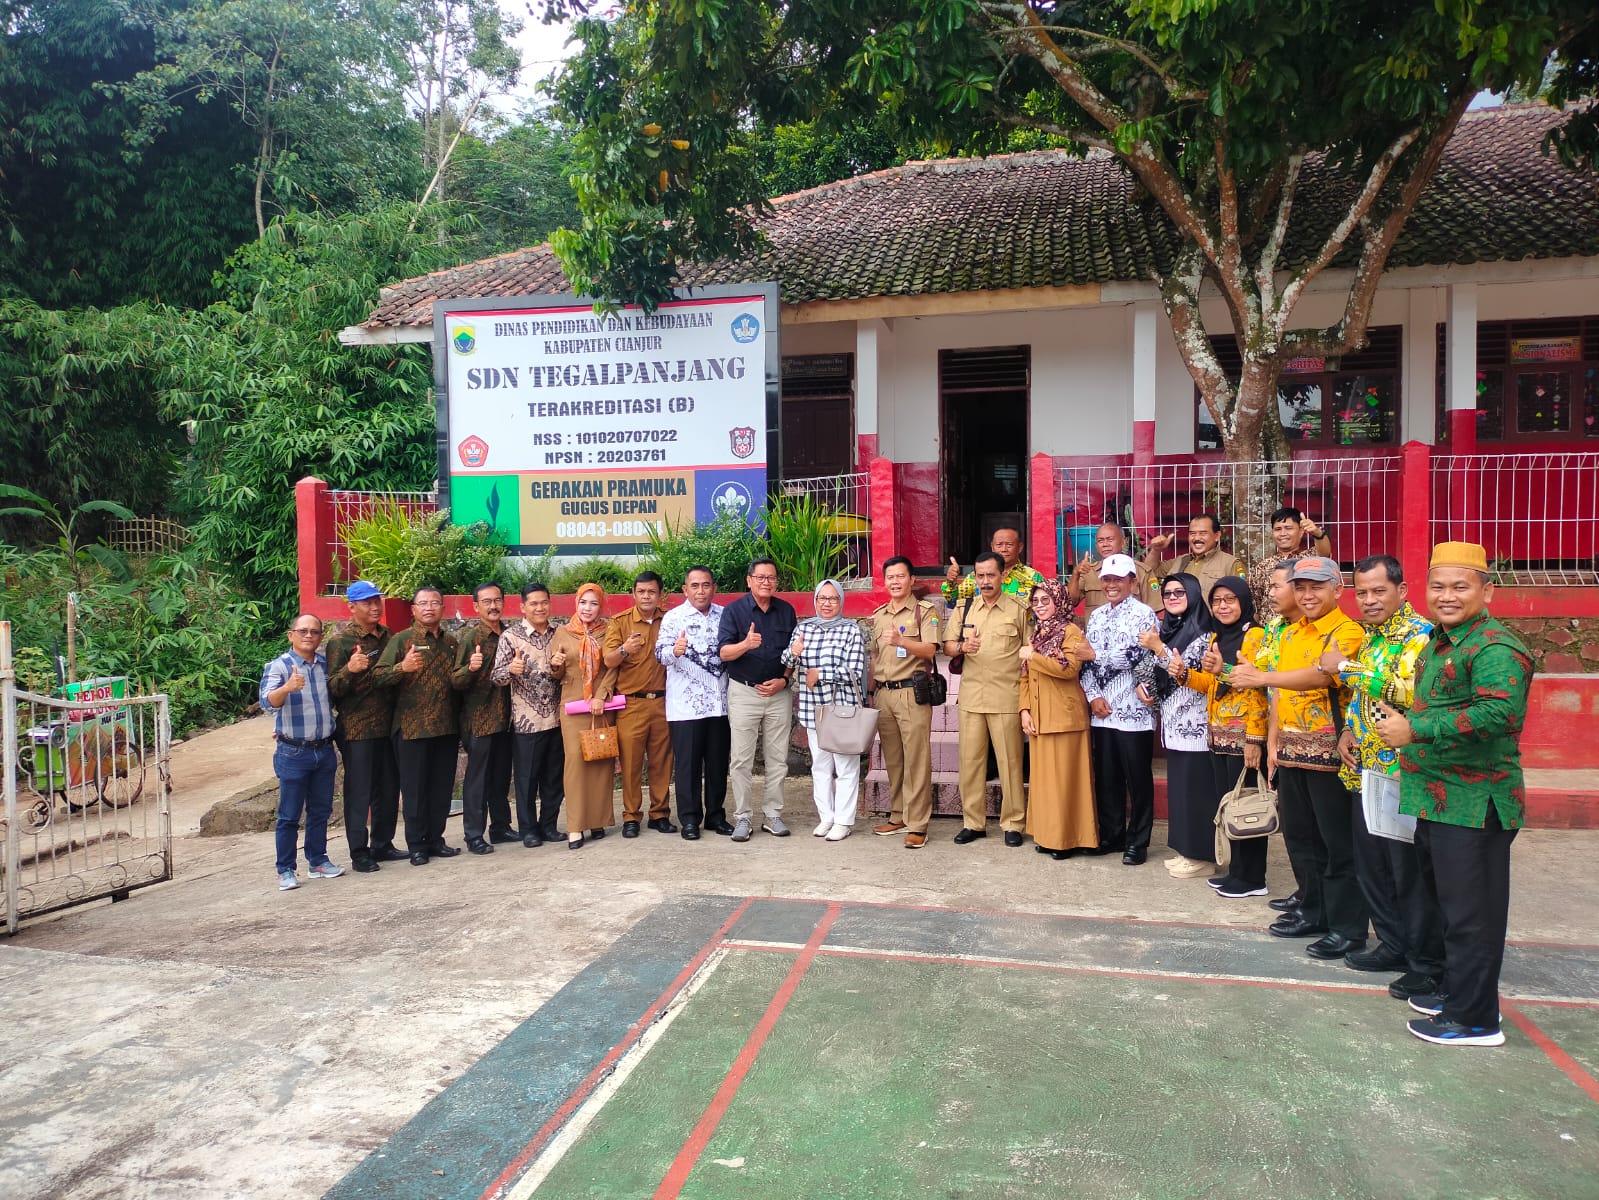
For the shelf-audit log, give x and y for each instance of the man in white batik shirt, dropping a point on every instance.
(1123, 726)
(696, 706)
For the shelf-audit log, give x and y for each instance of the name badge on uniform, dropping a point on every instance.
(900, 651)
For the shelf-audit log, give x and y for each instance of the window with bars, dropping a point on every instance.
(1350, 400)
(1537, 381)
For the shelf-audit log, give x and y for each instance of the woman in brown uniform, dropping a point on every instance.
(575, 660)
(1060, 794)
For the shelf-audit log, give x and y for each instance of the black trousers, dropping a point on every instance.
(1124, 779)
(700, 751)
(540, 781)
(1404, 912)
(486, 787)
(1314, 806)
(371, 793)
(1249, 854)
(427, 777)
(1468, 870)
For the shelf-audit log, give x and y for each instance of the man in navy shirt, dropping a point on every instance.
(294, 687)
(755, 630)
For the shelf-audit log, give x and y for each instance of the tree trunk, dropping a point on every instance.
(1257, 438)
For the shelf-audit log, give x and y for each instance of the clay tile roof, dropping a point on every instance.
(1045, 219)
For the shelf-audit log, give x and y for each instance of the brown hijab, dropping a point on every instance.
(1049, 635)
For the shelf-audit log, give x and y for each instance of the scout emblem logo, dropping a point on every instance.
(465, 340)
(743, 439)
(734, 499)
(474, 451)
(745, 329)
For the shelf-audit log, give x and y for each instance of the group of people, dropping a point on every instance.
(1242, 676)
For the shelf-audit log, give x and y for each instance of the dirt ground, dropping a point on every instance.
(214, 1037)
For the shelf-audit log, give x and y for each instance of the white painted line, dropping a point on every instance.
(549, 1158)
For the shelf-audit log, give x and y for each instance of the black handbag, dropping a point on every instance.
(929, 688)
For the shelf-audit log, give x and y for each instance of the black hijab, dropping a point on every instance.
(1230, 638)
(1177, 630)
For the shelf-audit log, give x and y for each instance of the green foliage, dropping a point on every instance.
(725, 544)
(800, 540)
(74, 554)
(611, 575)
(520, 570)
(171, 626)
(514, 183)
(271, 396)
(401, 551)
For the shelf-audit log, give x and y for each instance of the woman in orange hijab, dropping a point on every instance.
(586, 684)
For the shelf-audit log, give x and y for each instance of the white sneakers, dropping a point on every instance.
(838, 833)
(822, 829)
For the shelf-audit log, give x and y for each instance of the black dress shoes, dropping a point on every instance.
(389, 854)
(1293, 925)
(419, 858)
(630, 829)
(362, 863)
(663, 825)
(442, 851)
(1286, 904)
(1414, 983)
(1061, 855)
(1381, 957)
(596, 834)
(1134, 856)
(1334, 945)
(479, 846)
(532, 841)
(967, 836)
(498, 837)
(691, 832)
(1012, 838)
(550, 834)
(721, 827)
(1107, 848)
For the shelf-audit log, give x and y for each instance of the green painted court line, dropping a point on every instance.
(629, 1146)
(903, 1081)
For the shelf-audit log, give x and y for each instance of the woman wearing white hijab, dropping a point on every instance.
(829, 657)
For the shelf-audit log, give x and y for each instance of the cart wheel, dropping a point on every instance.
(127, 784)
(34, 812)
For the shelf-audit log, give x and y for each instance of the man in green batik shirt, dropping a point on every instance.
(1017, 579)
(1405, 916)
(1460, 775)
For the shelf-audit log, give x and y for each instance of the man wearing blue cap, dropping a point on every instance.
(365, 713)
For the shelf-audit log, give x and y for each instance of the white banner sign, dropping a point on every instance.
(570, 428)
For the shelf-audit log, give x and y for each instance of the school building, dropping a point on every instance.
(973, 342)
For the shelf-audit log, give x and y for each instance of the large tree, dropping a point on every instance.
(1215, 107)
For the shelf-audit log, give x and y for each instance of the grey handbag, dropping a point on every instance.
(845, 728)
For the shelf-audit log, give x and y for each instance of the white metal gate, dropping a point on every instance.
(86, 793)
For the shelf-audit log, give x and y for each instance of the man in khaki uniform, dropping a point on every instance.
(1206, 561)
(989, 632)
(1085, 584)
(904, 640)
(641, 730)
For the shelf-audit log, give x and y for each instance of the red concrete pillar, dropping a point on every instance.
(1043, 552)
(313, 521)
(880, 501)
(1145, 517)
(1415, 511)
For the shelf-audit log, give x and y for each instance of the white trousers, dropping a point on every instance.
(835, 783)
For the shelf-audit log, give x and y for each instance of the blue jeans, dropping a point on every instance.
(305, 785)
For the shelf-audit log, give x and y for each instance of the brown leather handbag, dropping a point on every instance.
(599, 742)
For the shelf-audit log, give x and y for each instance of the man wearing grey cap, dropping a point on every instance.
(1122, 730)
(1317, 811)
(365, 712)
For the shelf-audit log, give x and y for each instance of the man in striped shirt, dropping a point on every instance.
(294, 686)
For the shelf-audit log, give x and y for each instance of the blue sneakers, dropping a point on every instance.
(1447, 1033)
(287, 882)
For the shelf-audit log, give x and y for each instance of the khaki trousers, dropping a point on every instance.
(768, 720)
(905, 729)
(641, 733)
(1004, 730)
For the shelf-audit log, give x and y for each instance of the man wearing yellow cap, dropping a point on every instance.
(1460, 776)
